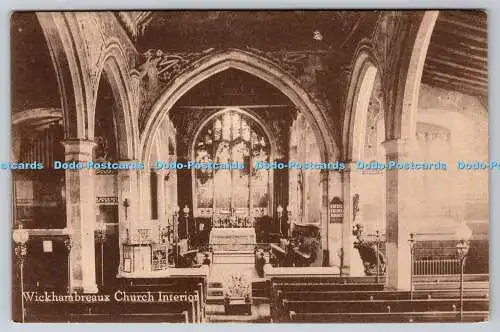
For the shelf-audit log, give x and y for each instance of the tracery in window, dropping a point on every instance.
(232, 137)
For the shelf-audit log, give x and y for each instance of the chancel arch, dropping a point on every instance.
(260, 68)
(254, 65)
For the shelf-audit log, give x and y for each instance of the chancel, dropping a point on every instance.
(238, 166)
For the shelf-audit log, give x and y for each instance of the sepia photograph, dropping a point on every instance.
(293, 166)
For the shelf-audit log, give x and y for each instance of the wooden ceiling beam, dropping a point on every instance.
(447, 82)
(437, 60)
(446, 85)
(440, 49)
(431, 68)
(454, 78)
(458, 85)
(454, 34)
(476, 48)
(470, 18)
(463, 24)
(461, 59)
(471, 66)
(452, 42)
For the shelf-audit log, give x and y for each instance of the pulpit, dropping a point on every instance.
(137, 257)
(146, 251)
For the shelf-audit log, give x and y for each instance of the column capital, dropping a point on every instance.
(399, 146)
(325, 176)
(163, 171)
(78, 142)
(78, 149)
(128, 161)
(349, 165)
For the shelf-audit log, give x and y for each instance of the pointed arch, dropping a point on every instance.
(255, 117)
(72, 82)
(115, 69)
(256, 121)
(254, 65)
(360, 90)
(406, 107)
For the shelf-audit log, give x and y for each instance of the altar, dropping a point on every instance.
(232, 239)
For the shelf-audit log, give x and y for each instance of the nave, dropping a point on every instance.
(309, 238)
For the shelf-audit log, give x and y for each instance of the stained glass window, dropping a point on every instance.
(232, 137)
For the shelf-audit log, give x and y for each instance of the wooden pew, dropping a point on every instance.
(320, 297)
(279, 256)
(110, 311)
(188, 282)
(421, 305)
(197, 310)
(346, 295)
(301, 258)
(285, 280)
(450, 278)
(479, 285)
(179, 280)
(379, 294)
(182, 317)
(339, 306)
(387, 317)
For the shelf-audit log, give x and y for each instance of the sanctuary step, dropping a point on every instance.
(215, 293)
(233, 257)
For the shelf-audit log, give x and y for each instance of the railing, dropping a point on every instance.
(436, 266)
(438, 260)
(233, 222)
(255, 246)
(435, 260)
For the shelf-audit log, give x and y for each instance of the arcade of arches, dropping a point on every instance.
(137, 89)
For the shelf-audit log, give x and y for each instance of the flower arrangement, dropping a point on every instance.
(238, 286)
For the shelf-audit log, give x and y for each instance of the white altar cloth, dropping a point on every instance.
(233, 239)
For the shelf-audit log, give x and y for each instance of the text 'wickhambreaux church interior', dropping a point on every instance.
(283, 225)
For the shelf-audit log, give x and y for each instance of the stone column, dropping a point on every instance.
(127, 215)
(171, 195)
(348, 188)
(162, 199)
(335, 230)
(144, 196)
(398, 215)
(324, 217)
(80, 216)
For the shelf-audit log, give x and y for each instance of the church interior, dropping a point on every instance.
(250, 244)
